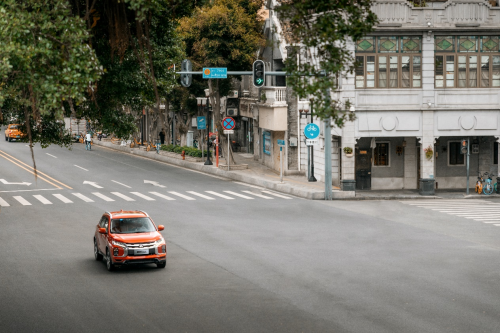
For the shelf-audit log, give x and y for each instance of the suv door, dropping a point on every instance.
(101, 238)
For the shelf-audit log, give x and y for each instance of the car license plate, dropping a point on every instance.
(142, 251)
(17, 136)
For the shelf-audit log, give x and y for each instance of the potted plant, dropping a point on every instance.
(428, 152)
(348, 151)
(263, 97)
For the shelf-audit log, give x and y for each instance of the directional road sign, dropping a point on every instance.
(311, 131)
(228, 123)
(215, 73)
(201, 122)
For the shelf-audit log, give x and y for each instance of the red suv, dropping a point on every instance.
(129, 237)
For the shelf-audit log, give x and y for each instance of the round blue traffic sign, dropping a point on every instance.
(228, 123)
(311, 131)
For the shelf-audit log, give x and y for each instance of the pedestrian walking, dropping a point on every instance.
(162, 136)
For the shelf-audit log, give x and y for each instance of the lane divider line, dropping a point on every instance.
(38, 172)
(30, 171)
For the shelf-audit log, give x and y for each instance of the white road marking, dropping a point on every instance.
(239, 195)
(21, 200)
(40, 189)
(219, 195)
(201, 195)
(114, 181)
(153, 183)
(182, 195)
(80, 167)
(42, 199)
(123, 196)
(102, 196)
(62, 198)
(277, 195)
(162, 196)
(7, 183)
(3, 203)
(143, 196)
(258, 195)
(51, 155)
(91, 184)
(498, 225)
(81, 196)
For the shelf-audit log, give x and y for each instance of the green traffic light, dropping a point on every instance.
(259, 81)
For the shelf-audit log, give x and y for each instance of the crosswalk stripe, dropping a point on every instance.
(182, 196)
(123, 196)
(102, 196)
(239, 195)
(3, 203)
(143, 196)
(62, 198)
(219, 195)
(162, 196)
(21, 200)
(201, 195)
(42, 199)
(277, 195)
(258, 195)
(81, 196)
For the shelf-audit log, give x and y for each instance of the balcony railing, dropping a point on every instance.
(275, 96)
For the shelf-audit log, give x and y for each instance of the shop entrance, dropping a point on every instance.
(363, 166)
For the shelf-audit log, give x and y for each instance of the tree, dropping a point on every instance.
(224, 33)
(45, 62)
(323, 29)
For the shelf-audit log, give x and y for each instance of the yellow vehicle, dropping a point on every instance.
(12, 133)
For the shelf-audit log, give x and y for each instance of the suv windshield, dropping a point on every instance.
(131, 225)
(13, 127)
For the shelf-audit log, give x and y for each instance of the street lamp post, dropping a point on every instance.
(208, 161)
(311, 175)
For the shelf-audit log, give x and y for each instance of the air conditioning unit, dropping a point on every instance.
(233, 94)
(232, 112)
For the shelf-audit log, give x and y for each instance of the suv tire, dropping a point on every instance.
(161, 265)
(109, 261)
(97, 255)
(10, 139)
(6, 138)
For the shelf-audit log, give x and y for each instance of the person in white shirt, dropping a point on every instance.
(88, 138)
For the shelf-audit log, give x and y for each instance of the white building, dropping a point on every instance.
(429, 77)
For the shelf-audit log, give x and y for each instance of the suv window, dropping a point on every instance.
(131, 225)
(104, 222)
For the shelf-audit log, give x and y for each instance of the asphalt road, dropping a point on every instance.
(265, 264)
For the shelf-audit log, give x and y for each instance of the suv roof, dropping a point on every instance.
(131, 213)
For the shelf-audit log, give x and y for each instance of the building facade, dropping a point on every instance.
(427, 78)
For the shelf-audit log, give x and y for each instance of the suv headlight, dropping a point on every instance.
(160, 241)
(118, 243)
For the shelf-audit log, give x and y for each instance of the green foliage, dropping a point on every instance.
(44, 61)
(325, 27)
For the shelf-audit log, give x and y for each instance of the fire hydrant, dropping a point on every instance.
(183, 155)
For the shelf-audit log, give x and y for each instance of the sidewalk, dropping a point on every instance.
(260, 175)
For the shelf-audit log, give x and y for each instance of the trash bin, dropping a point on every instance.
(427, 186)
(348, 185)
(363, 179)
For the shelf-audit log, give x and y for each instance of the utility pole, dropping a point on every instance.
(328, 150)
(311, 174)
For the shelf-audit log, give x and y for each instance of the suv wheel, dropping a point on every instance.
(97, 255)
(6, 138)
(10, 139)
(161, 265)
(109, 261)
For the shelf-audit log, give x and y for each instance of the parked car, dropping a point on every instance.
(12, 132)
(128, 238)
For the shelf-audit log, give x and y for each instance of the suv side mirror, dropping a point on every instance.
(161, 227)
(102, 230)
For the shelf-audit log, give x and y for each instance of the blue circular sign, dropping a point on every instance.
(311, 131)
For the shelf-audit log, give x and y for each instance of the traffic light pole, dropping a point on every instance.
(468, 154)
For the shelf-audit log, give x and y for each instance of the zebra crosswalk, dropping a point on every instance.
(72, 197)
(473, 209)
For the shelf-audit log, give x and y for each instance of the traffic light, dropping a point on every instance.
(259, 73)
(464, 146)
(186, 79)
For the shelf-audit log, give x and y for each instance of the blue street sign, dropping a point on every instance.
(215, 73)
(228, 123)
(311, 131)
(201, 122)
(281, 142)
